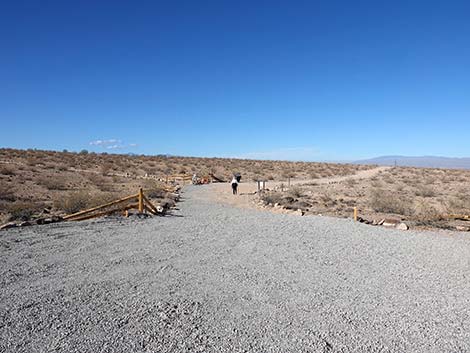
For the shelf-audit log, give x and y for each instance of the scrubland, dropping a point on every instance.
(33, 181)
(421, 197)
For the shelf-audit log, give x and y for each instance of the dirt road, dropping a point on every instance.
(215, 278)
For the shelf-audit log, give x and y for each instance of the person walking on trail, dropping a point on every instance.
(234, 183)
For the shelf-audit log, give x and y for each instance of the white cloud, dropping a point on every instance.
(112, 144)
(104, 142)
(288, 154)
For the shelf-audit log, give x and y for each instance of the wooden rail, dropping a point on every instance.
(137, 201)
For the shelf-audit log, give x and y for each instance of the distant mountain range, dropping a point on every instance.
(423, 161)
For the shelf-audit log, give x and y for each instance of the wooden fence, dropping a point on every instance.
(138, 201)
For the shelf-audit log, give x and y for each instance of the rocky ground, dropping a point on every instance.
(216, 278)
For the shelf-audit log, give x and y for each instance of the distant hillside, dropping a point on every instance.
(423, 161)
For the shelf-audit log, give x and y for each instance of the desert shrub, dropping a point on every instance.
(313, 175)
(295, 191)
(61, 167)
(458, 204)
(23, 211)
(73, 202)
(388, 202)
(297, 204)
(7, 170)
(52, 183)
(106, 168)
(155, 193)
(388, 179)
(96, 179)
(327, 199)
(6, 194)
(351, 182)
(399, 187)
(425, 210)
(80, 200)
(272, 197)
(107, 188)
(425, 191)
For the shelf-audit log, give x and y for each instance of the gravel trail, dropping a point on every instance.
(215, 278)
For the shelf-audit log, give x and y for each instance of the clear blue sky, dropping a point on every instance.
(313, 80)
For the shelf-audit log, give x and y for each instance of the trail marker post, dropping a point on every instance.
(141, 200)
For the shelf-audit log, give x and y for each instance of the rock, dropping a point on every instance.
(402, 226)
(56, 219)
(375, 222)
(299, 212)
(277, 204)
(390, 222)
(53, 219)
(379, 223)
(462, 228)
(8, 225)
(24, 224)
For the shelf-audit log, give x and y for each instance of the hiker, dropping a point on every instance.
(234, 183)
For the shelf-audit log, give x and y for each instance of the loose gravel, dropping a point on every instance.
(214, 278)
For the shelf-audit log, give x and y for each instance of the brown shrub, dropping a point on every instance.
(425, 191)
(52, 183)
(155, 193)
(295, 191)
(6, 194)
(23, 211)
(7, 170)
(387, 202)
(73, 202)
(271, 197)
(80, 200)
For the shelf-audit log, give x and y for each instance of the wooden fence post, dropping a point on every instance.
(141, 201)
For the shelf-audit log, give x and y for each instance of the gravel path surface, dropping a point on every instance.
(214, 278)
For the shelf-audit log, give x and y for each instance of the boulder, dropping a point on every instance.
(24, 224)
(402, 226)
(391, 222)
(462, 228)
(299, 212)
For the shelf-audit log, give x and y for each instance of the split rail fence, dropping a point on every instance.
(137, 201)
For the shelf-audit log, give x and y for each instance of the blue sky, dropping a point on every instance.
(309, 80)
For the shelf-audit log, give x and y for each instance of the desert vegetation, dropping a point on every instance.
(421, 197)
(33, 181)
